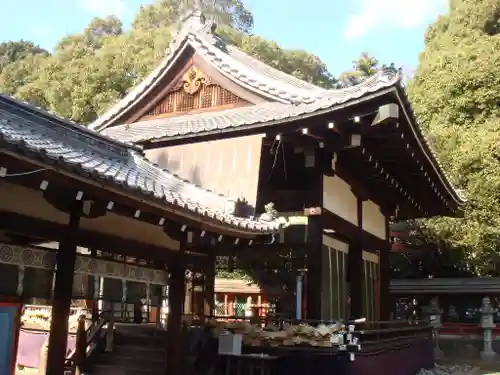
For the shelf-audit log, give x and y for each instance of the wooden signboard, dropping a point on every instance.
(10, 322)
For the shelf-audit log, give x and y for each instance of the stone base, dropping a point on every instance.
(438, 354)
(488, 356)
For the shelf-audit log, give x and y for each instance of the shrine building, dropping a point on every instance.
(349, 159)
(210, 155)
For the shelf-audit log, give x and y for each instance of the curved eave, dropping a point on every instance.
(207, 222)
(235, 121)
(426, 150)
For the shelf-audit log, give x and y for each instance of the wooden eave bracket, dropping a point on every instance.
(386, 113)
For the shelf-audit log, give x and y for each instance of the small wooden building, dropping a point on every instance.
(348, 159)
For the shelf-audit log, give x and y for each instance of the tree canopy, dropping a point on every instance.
(11, 52)
(90, 71)
(456, 95)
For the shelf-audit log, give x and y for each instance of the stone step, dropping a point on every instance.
(101, 369)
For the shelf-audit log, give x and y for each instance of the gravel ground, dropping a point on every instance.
(466, 369)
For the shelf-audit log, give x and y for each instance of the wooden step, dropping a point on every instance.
(139, 350)
(140, 340)
(101, 369)
(131, 360)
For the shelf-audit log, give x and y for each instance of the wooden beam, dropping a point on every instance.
(96, 190)
(49, 231)
(351, 231)
(386, 114)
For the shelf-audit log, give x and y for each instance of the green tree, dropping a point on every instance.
(90, 71)
(365, 66)
(168, 12)
(455, 92)
(11, 52)
(419, 255)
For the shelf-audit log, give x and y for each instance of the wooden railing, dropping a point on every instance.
(87, 341)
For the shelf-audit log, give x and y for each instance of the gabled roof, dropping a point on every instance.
(265, 115)
(231, 62)
(27, 130)
(259, 115)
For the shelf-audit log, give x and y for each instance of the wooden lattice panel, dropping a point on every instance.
(207, 96)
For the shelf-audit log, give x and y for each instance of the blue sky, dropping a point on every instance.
(335, 30)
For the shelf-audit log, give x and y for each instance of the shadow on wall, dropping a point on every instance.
(174, 166)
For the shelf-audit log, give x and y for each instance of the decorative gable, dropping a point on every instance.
(193, 91)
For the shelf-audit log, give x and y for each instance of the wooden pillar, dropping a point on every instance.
(385, 278)
(226, 305)
(209, 300)
(314, 198)
(176, 297)
(314, 274)
(63, 288)
(355, 269)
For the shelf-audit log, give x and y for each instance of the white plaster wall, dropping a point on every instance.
(339, 198)
(373, 220)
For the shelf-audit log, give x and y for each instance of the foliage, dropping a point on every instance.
(424, 256)
(166, 13)
(363, 67)
(456, 91)
(11, 52)
(90, 71)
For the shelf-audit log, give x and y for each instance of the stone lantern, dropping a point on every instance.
(435, 314)
(487, 324)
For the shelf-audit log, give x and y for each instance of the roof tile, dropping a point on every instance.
(259, 115)
(28, 129)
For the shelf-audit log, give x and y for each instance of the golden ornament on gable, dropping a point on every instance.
(193, 79)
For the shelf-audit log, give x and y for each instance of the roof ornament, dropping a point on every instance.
(193, 19)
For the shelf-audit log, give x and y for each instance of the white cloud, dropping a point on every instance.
(105, 8)
(392, 14)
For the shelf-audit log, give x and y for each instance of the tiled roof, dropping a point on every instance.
(28, 130)
(268, 114)
(228, 60)
(260, 115)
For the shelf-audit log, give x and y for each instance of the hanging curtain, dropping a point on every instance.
(83, 286)
(37, 283)
(136, 291)
(112, 290)
(156, 295)
(10, 277)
